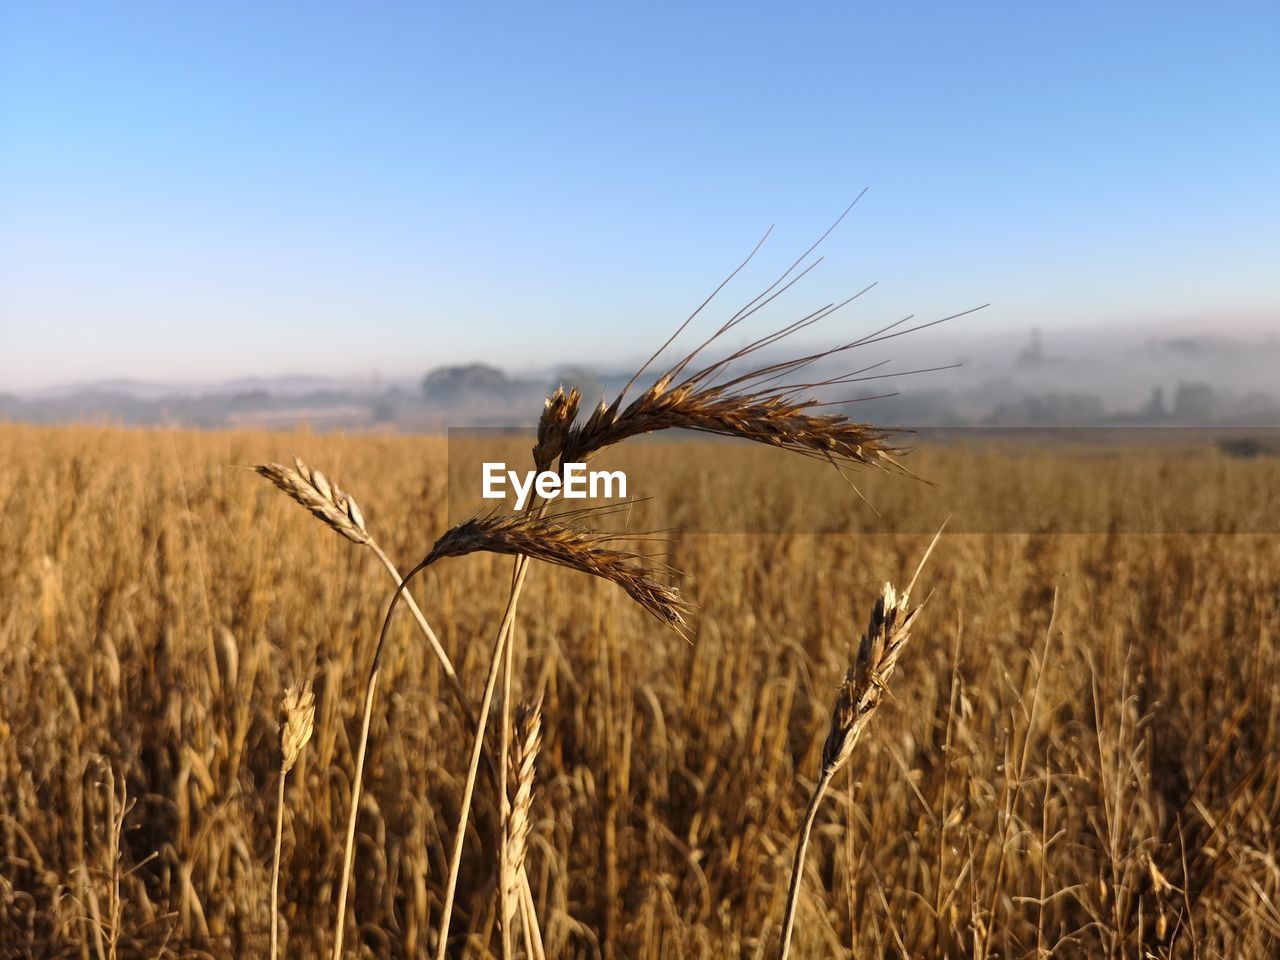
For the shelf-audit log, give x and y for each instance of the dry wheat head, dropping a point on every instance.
(324, 499)
(523, 760)
(298, 713)
(769, 417)
(558, 413)
(548, 540)
(865, 683)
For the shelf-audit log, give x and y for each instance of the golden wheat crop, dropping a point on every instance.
(1079, 756)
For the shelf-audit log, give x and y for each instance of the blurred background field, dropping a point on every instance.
(1079, 757)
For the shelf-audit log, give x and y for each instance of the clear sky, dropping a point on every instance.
(208, 190)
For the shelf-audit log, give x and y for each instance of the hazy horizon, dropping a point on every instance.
(934, 345)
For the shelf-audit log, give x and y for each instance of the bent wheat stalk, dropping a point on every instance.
(858, 696)
(526, 537)
(339, 511)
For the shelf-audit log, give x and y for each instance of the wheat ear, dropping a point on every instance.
(858, 696)
(552, 541)
(559, 410)
(522, 761)
(340, 513)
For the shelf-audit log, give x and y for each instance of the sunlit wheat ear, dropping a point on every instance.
(523, 759)
(770, 417)
(861, 691)
(545, 539)
(324, 499)
(298, 711)
(558, 413)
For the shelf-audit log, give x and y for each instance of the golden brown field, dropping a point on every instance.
(1080, 756)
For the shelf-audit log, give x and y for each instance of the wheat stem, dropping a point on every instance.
(532, 930)
(797, 868)
(529, 911)
(495, 664)
(298, 713)
(349, 855)
(275, 871)
(350, 850)
(504, 802)
(446, 665)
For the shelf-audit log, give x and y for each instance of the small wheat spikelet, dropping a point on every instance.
(559, 411)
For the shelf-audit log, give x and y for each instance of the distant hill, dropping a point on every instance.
(1088, 377)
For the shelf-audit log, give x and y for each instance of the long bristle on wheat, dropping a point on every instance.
(326, 500)
(755, 405)
(546, 539)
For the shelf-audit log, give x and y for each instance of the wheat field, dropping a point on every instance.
(1079, 755)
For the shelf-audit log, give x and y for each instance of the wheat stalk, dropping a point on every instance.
(858, 695)
(558, 413)
(339, 511)
(298, 713)
(496, 660)
(527, 536)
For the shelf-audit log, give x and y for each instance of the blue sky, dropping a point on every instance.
(200, 191)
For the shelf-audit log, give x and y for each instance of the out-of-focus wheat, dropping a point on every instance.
(151, 602)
